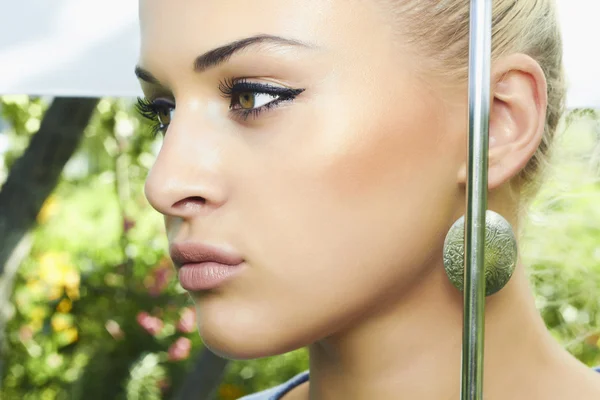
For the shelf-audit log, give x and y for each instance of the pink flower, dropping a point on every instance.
(187, 322)
(180, 349)
(151, 324)
(159, 279)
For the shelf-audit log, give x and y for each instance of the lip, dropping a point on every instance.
(202, 266)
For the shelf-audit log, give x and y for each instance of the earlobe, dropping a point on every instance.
(517, 118)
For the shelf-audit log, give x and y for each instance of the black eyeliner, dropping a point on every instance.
(230, 88)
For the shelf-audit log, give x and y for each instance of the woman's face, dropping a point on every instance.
(316, 153)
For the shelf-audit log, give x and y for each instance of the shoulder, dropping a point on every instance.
(276, 392)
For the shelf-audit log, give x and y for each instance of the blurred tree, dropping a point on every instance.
(34, 176)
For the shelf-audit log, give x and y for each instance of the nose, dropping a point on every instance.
(187, 177)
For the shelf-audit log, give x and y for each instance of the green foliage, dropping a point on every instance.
(560, 242)
(24, 116)
(144, 374)
(97, 309)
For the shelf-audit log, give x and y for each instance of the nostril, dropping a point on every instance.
(190, 202)
(198, 199)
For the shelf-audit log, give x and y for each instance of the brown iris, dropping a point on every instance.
(164, 116)
(246, 100)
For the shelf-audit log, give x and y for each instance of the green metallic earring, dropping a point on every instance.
(500, 252)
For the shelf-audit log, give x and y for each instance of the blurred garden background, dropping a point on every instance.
(90, 307)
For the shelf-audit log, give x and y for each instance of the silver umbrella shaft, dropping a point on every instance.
(477, 182)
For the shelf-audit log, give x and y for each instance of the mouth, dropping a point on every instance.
(203, 267)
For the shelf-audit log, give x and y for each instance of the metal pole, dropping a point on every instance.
(479, 110)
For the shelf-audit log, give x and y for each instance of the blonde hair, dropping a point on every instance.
(440, 30)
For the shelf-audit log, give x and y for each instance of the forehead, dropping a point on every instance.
(177, 27)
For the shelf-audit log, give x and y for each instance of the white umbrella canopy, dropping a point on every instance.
(69, 47)
(89, 48)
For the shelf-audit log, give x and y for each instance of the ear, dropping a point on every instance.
(517, 117)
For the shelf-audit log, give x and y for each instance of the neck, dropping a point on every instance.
(412, 347)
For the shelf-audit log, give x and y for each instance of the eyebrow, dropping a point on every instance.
(219, 55)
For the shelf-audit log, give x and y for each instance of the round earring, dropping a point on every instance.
(500, 252)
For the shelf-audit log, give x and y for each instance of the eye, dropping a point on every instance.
(250, 100)
(165, 114)
(159, 111)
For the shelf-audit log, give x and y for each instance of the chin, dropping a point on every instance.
(241, 336)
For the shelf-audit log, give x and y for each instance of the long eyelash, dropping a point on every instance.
(226, 86)
(230, 87)
(148, 110)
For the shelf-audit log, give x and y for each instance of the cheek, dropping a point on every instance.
(380, 190)
(355, 201)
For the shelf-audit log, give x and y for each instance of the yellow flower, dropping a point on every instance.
(60, 322)
(70, 335)
(52, 267)
(57, 271)
(71, 279)
(54, 293)
(64, 306)
(73, 293)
